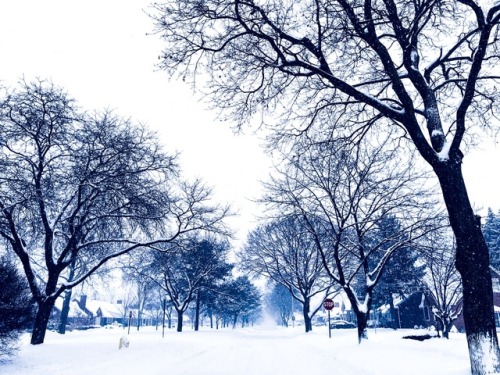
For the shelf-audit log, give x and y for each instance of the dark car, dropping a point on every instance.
(341, 324)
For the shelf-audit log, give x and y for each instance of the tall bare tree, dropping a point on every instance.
(85, 189)
(442, 280)
(424, 67)
(284, 251)
(344, 200)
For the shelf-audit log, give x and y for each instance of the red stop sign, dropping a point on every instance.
(328, 304)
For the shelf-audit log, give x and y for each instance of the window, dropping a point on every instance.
(426, 313)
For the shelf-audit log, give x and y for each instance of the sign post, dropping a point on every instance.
(328, 305)
(163, 320)
(129, 321)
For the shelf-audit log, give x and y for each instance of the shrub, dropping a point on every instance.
(16, 307)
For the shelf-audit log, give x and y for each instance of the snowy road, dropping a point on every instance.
(249, 351)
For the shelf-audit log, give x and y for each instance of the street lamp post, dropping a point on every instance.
(399, 316)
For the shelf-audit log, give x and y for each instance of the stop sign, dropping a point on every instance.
(328, 304)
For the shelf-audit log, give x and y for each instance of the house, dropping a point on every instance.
(85, 312)
(77, 317)
(103, 312)
(412, 311)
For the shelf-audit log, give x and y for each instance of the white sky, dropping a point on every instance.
(99, 52)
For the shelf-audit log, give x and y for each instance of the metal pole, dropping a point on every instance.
(163, 322)
(329, 327)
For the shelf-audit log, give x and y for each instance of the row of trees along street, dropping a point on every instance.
(194, 271)
(350, 219)
(78, 190)
(423, 72)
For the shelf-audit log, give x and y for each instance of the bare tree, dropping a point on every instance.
(424, 67)
(280, 303)
(185, 269)
(284, 251)
(442, 281)
(344, 200)
(144, 288)
(85, 189)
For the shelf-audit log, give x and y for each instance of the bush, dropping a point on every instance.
(419, 337)
(16, 307)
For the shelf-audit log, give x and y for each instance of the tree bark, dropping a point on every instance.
(179, 320)
(394, 320)
(362, 319)
(306, 307)
(447, 328)
(472, 262)
(361, 315)
(197, 313)
(41, 321)
(63, 319)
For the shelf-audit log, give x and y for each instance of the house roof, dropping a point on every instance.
(74, 309)
(105, 309)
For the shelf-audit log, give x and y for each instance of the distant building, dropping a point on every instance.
(412, 311)
(85, 312)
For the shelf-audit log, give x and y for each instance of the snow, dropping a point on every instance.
(422, 302)
(486, 349)
(257, 350)
(414, 59)
(436, 133)
(444, 154)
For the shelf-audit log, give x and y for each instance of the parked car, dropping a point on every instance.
(341, 324)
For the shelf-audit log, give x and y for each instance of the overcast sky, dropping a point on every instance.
(99, 52)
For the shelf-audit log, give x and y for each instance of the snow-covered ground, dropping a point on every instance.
(257, 350)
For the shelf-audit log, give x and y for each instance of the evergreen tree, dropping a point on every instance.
(237, 299)
(401, 275)
(491, 231)
(16, 307)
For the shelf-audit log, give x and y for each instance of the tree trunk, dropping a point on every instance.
(41, 321)
(362, 319)
(139, 317)
(179, 320)
(63, 319)
(197, 312)
(361, 314)
(284, 320)
(306, 307)
(447, 328)
(394, 320)
(472, 261)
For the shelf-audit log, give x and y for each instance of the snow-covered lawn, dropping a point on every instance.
(250, 351)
